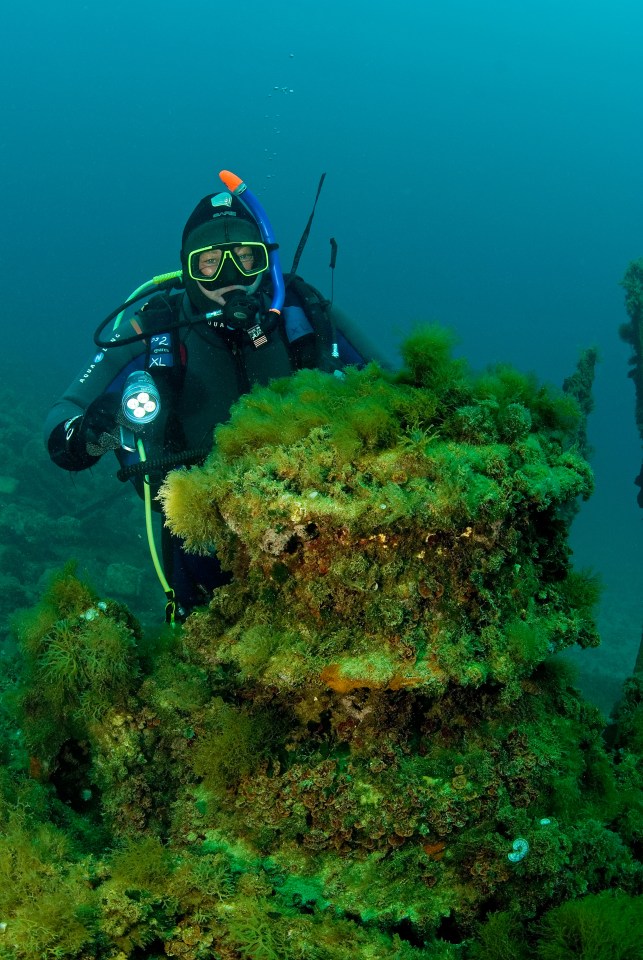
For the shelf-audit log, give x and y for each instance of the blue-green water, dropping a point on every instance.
(483, 169)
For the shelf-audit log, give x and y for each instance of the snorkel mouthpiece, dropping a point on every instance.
(239, 189)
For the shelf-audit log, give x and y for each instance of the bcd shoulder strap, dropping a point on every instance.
(164, 350)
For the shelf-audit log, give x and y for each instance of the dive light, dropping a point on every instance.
(141, 402)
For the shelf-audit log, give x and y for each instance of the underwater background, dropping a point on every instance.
(483, 165)
(371, 743)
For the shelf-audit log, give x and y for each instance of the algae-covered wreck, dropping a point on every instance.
(365, 746)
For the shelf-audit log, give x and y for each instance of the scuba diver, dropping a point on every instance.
(164, 378)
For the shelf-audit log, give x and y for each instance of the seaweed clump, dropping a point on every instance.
(79, 662)
(365, 746)
(393, 533)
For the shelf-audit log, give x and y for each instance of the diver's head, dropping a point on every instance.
(221, 249)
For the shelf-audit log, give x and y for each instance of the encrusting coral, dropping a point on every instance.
(365, 746)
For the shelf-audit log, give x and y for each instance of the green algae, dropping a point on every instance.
(335, 758)
(79, 660)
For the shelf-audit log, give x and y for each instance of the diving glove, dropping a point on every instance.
(98, 429)
(81, 441)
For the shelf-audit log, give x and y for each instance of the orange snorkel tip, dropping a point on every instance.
(231, 181)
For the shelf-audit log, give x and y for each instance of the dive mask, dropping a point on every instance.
(206, 263)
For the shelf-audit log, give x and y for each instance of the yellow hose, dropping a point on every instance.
(169, 592)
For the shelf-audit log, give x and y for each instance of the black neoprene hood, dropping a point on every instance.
(220, 219)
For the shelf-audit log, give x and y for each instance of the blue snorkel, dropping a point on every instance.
(238, 188)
